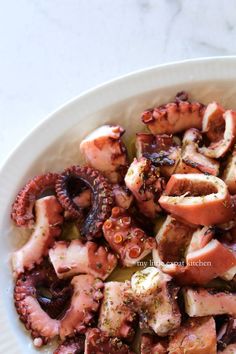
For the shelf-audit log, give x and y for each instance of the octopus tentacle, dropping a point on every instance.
(102, 197)
(48, 226)
(39, 316)
(87, 293)
(97, 341)
(22, 208)
(129, 241)
(74, 258)
(116, 318)
(74, 345)
(174, 117)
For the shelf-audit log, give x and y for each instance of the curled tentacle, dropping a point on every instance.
(144, 181)
(84, 304)
(47, 227)
(174, 117)
(22, 208)
(74, 258)
(116, 318)
(39, 301)
(129, 241)
(104, 150)
(193, 197)
(99, 342)
(73, 345)
(102, 197)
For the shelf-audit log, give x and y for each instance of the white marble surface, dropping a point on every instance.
(52, 50)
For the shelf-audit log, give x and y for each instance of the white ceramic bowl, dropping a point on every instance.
(54, 144)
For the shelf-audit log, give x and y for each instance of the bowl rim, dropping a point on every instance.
(226, 64)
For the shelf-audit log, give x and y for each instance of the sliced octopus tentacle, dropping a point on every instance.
(74, 258)
(39, 313)
(97, 341)
(85, 301)
(102, 197)
(22, 208)
(129, 241)
(73, 345)
(174, 117)
(47, 227)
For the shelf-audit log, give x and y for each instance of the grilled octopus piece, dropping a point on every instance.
(130, 243)
(102, 198)
(73, 345)
(74, 258)
(22, 209)
(154, 297)
(151, 344)
(104, 150)
(227, 333)
(116, 318)
(98, 342)
(174, 117)
(144, 181)
(40, 313)
(193, 197)
(47, 227)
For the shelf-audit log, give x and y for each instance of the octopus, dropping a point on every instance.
(75, 257)
(221, 130)
(116, 318)
(22, 208)
(127, 240)
(85, 301)
(47, 227)
(73, 345)
(229, 174)
(192, 198)
(151, 344)
(123, 197)
(163, 151)
(144, 181)
(227, 333)
(104, 150)
(41, 313)
(99, 342)
(154, 296)
(174, 117)
(102, 198)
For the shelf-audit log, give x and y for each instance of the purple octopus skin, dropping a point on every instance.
(47, 227)
(76, 257)
(40, 314)
(73, 345)
(85, 301)
(97, 342)
(116, 318)
(102, 198)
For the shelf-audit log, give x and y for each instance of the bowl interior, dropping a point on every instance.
(55, 145)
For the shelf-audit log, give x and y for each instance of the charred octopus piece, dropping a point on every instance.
(123, 196)
(22, 209)
(144, 181)
(87, 293)
(154, 296)
(193, 197)
(204, 302)
(162, 150)
(196, 335)
(102, 197)
(40, 312)
(227, 333)
(99, 342)
(74, 258)
(104, 150)
(174, 117)
(116, 318)
(74, 345)
(48, 226)
(192, 157)
(129, 241)
(222, 132)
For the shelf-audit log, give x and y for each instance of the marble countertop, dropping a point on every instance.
(52, 50)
